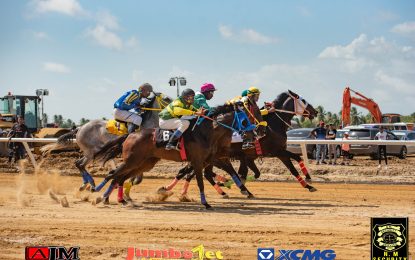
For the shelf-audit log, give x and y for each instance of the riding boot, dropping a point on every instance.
(131, 128)
(172, 144)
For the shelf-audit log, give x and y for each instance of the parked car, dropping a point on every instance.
(301, 134)
(405, 135)
(365, 133)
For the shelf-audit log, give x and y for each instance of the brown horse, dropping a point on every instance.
(274, 144)
(202, 145)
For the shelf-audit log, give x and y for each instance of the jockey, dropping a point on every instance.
(131, 100)
(206, 93)
(171, 116)
(251, 99)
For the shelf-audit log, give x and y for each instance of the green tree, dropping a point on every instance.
(58, 119)
(321, 113)
(83, 121)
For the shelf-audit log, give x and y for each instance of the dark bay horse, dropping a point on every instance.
(274, 144)
(253, 117)
(140, 153)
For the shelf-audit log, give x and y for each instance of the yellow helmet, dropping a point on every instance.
(253, 91)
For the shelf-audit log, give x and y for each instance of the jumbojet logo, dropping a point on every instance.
(197, 253)
(300, 254)
(51, 253)
(389, 238)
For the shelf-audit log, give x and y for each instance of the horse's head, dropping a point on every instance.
(151, 106)
(162, 99)
(294, 104)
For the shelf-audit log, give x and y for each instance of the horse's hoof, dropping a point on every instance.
(225, 196)
(127, 198)
(257, 176)
(251, 196)
(123, 202)
(244, 192)
(312, 189)
(97, 201)
(208, 207)
(184, 198)
(162, 190)
(107, 201)
(83, 187)
(309, 180)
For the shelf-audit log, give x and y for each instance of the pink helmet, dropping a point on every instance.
(207, 87)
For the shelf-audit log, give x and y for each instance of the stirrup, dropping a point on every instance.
(170, 146)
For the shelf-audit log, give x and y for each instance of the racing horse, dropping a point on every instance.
(140, 154)
(274, 144)
(92, 136)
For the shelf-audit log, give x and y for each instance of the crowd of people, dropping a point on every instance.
(329, 152)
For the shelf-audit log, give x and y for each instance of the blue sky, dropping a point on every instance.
(88, 53)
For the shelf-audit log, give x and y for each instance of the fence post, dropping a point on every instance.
(305, 155)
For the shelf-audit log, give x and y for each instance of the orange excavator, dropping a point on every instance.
(367, 103)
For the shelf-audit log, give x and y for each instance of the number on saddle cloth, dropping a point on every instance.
(162, 137)
(117, 127)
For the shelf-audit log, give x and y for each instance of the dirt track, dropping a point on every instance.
(283, 216)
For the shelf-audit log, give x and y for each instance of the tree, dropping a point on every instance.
(58, 119)
(83, 121)
(321, 113)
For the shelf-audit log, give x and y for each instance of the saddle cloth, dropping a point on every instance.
(116, 127)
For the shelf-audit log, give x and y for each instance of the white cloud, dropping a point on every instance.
(364, 53)
(102, 36)
(67, 7)
(407, 29)
(225, 31)
(105, 33)
(56, 67)
(245, 36)
(397, 84)
(106, 19)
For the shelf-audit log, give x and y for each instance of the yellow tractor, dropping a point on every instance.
(27, 106)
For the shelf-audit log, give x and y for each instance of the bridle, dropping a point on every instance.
(300, 106)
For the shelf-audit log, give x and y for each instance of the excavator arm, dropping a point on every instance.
(362, 101)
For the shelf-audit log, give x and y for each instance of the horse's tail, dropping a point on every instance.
(64, 141)
(111, 149)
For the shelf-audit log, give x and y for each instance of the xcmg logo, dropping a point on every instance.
(300, 254)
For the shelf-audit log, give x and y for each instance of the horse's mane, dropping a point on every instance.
(278, 102)
(223, 109)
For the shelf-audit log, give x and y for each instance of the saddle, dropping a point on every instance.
(161, 138)
(117, 127)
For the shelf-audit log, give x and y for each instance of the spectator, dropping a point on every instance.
(346, 150)
(19, 130)
(320, 134)
(382, 135)
(331, 135)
